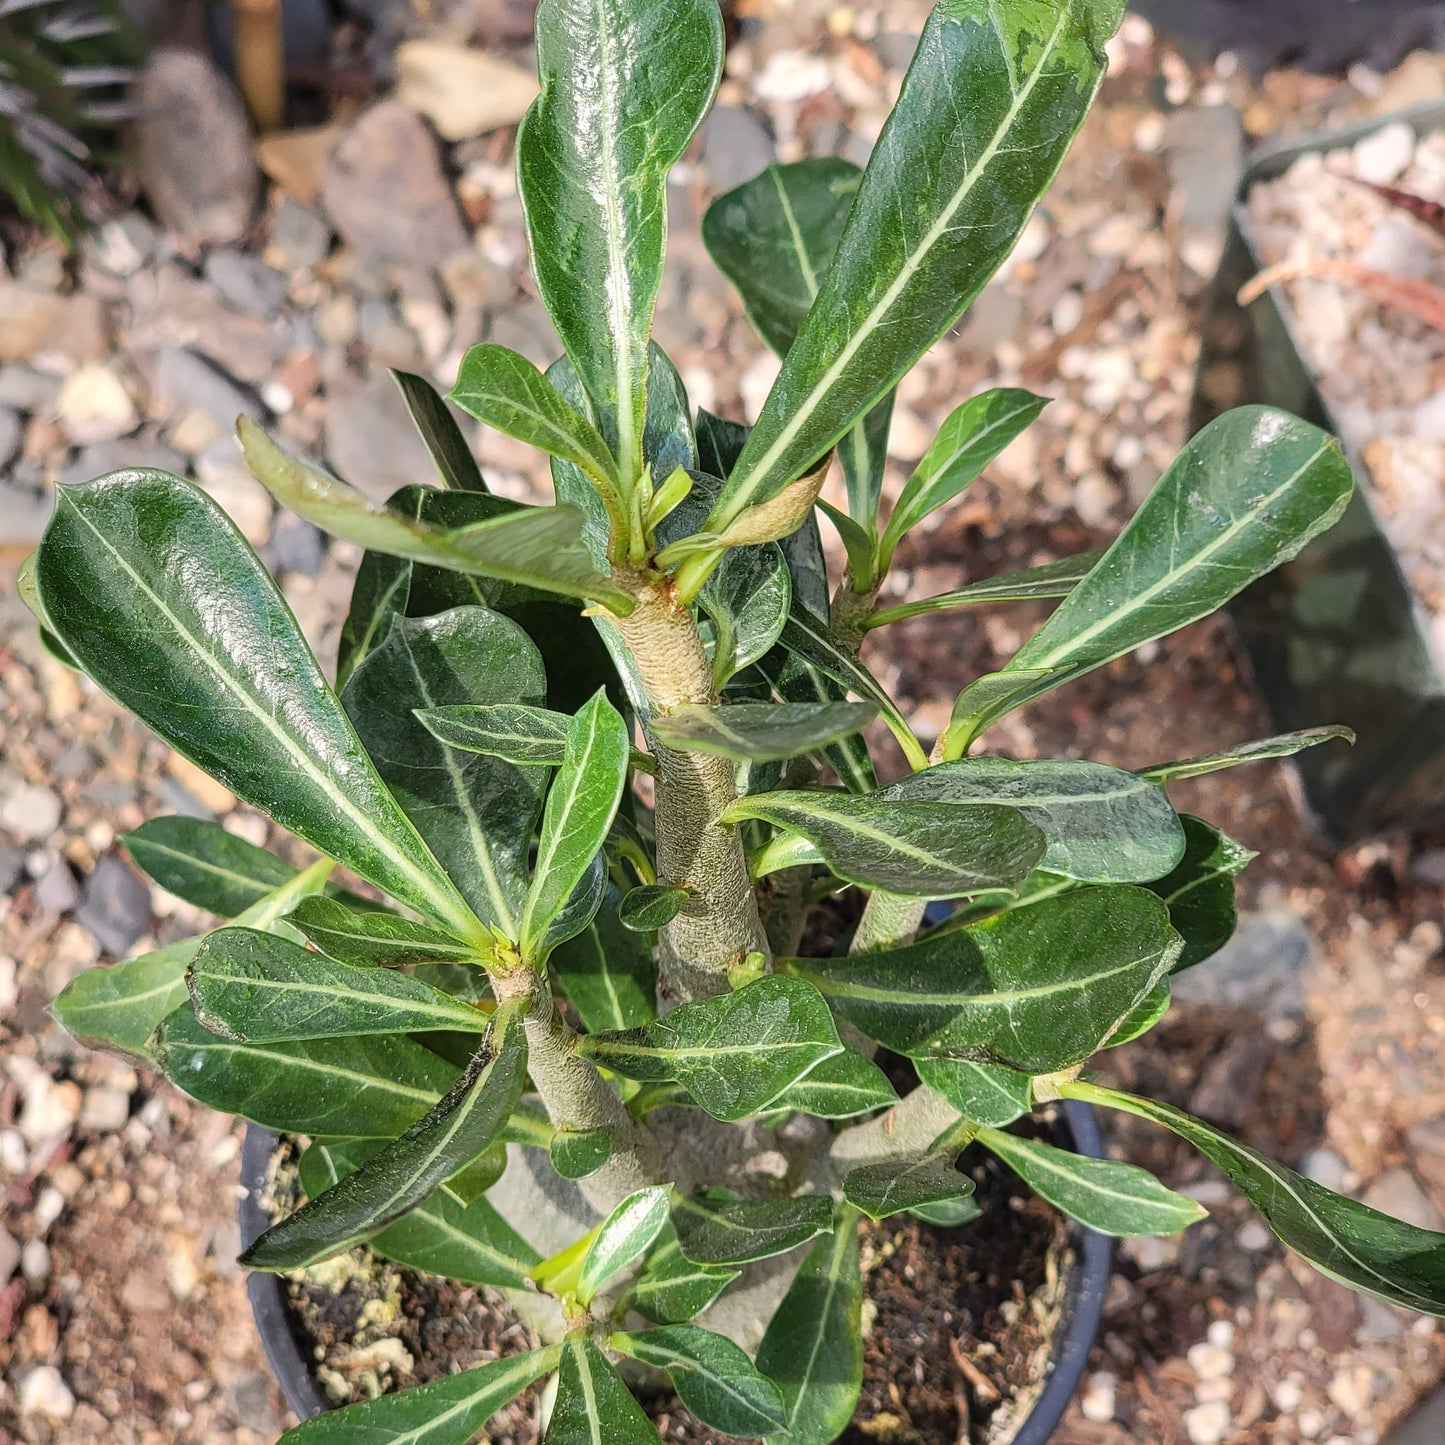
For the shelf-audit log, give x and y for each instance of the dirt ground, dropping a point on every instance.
(125, 1319)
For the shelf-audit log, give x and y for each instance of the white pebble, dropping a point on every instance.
(1208, 1424)
(50, 1108)
(1288, 1394)
(1254, 1237)
(48, 1208)
(1221, 1334)
(43, 1392)
(31, 813)
(1210, 1362)
(1381, 158)
(105, 1109)
(35, 1263)
(1097, 1401)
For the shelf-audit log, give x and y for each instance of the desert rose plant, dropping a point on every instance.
(605, 758)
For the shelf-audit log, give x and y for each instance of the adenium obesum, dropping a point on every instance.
(566, 983)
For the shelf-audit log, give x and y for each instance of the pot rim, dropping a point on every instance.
(1083, 1305)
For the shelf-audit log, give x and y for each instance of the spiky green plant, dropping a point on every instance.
(63, 66)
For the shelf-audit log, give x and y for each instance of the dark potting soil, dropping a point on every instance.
(959, 1325)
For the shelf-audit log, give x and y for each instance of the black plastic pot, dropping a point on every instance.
(1335, 636)
(1082, 1307)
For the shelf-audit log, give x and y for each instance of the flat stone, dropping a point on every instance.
(122, 246)
(296, 547)
(10, 1251)
(26, 318)
(30, 812)
(222, 471)
(300, 236)
(112, 456)
(462, 91)
(56, 890)
(187, 382)
(24, 513)
(25, 389)
(1325, 1168)
(193, 149)
(1259, 969)
(384, 189)
(50, 1110)
(105, 1109)
(246, 281)
(95, 406)
(371, 441)
(296, 159)
(1398, 1194)
(736, 145)
(116, 905)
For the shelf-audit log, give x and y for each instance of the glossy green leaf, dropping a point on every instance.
(534, 546)
(759, 732)
(798, 681)
(580, 807)
(29, 593)
(986, 114)
(993, 696)
(477, 813)
(733, 1054)
(1286, 745)
(404, 1172)
(578, 1153)
(528, 736)
(671, 1290)
(1103, 825)
(713, 1377)
(724, 1231)
(911, 1182)
(1348, 1241)
(120, 1005)
(252, 986)
(352, 1088)
(1117, 1199)
(982, 1093)
(1245, 495)
(719, 443)
(807, 638)
(841, 1087)
(624, 86)
(1199, 893)
(654, 906)
(813, 1348)
(747, 600)
(974, 434)
(608, 972)
(593, 1406)
(1040, 989)
(449, 1411)
(200, 862)
(1033, 584)
(503, 389)
(443, 438)
(774, 237)
(373, 938)
(444, 1235)
(860, 545)
(623, 1238)
(924, 850)
(130, 567)
(1149, 1011)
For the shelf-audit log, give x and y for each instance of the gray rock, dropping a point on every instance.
(193, 149)
(124, 245)
(371, 441)
(1428, 868)
(9, 1255)
(895, 49)
(30, 812)
(1326, 1168)
(384, 189)
(116, 905)
(25, 389)
(24, 512)
(1203, 148)
(247, 282)
(1259, 969)
(186, 381)
(12, 431)
(736, 145)
(300, 237)
(138, 451)
(56, 890)
(12, 866)
(296, 546)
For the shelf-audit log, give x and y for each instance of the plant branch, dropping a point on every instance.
(576, 1096)
(719, 924)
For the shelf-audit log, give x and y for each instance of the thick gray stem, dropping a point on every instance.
(577, 1097)
(889, 921)
(719, 924)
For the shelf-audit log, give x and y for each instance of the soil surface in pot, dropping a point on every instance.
(959, 1325)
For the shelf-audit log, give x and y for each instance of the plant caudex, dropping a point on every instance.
(569, 982)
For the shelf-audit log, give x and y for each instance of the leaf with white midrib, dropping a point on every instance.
(795, 427)
(449, 1411)
(459, 1128)
(760, 731)
(593, 1406)
(740, 1231)
(377, 840)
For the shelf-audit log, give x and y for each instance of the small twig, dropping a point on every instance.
(983, 1387)
(1421, 299)
(1428, 213)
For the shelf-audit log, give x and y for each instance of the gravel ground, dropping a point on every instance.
(122, 1316)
